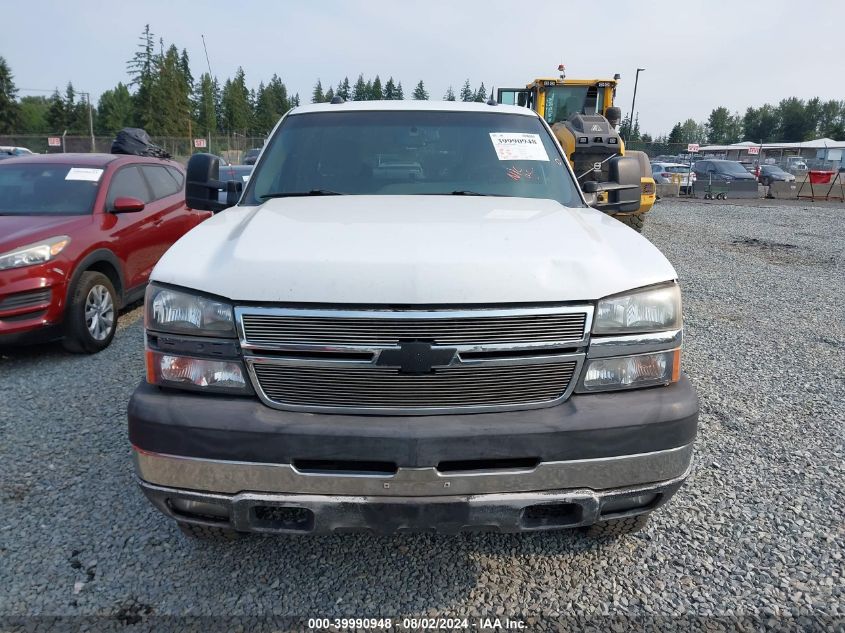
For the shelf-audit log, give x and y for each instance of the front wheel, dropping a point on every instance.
(91, 316)
(613, 528)
(636, 222)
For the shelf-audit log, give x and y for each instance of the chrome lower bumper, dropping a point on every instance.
(277, 498)
(229, 477)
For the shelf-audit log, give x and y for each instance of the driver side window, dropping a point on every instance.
(128, 182)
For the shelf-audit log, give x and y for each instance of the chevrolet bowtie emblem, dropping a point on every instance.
(416, 357)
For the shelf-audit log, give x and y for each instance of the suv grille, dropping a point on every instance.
(413, 361)
(272, 330)
(378, 387)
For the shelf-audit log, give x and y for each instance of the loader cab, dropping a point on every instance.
(558, 99)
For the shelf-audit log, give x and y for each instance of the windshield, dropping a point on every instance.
(38, 189)
(677, 169)
(564, 101)
(412, 153)
(731, 168)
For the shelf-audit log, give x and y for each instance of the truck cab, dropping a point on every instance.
(412, 320)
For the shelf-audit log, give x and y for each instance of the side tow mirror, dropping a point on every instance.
(625, 174)
(203, 183)
(126, 204)
(613, 116)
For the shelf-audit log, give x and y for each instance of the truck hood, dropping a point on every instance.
(412, 250)
(20, 230)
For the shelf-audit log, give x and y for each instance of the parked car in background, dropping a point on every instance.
(773, 173)
(665, 173)
(79, 236)
(796, 165)
(237, 173)
(7, 151)
(721, 170)
(251, 155)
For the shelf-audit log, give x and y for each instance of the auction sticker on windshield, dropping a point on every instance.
(84, 173)
(518, 146)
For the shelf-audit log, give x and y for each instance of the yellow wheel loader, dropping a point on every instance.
(584, 120)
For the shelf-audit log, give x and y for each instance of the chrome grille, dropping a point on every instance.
(280, 328)
(468, 385)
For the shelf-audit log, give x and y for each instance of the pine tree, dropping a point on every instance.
(56, 114)
(236, 108)
(76, 112)
(420, 93)
(185, 67)
(317, 95)
(343, 89)
(481, 94)
(294, 103)
(360, 91)
(466, 92)
(142, 69)
(329, 95)
(375, 90)
(206, 105)
(450, 94)
(389, 90)
(400, 94)
(675, 137)
(10, 112)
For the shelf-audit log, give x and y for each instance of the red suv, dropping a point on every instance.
(79, 236)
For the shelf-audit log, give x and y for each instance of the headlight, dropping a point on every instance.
(180, 312)
(32, 254)
(631, 372)
(649, 310)
(185, 372)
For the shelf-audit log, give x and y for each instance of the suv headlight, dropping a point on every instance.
(631, 372)
(653, 309)
(189, 343)
(644, 326)
(32, 254)
(180, 312)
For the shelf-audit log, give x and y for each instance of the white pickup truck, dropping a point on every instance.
(412, 320)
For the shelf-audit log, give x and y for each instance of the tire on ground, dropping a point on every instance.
(208, 532)
(634, 221)
(612, 528)
(77, 338)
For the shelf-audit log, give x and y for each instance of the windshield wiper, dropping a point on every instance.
(301, 194)
(466, 192)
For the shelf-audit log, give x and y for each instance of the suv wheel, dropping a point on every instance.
(613, 528)
(207, 532)
(91, 316)
(634, 221)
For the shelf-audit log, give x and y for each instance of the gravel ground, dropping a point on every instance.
(757, 531)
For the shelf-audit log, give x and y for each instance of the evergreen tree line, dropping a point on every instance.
(792, 120)
(372, 90)
(162, 96)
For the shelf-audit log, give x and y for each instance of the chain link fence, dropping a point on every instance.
(231, 147)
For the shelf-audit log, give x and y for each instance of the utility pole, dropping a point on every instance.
(90, 121)
(633, 103)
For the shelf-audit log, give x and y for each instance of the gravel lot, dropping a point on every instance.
(757, 531)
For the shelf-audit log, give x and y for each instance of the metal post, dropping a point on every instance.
(90, 121)
(633, 103)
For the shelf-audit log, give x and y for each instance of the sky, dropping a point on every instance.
(697, 55)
